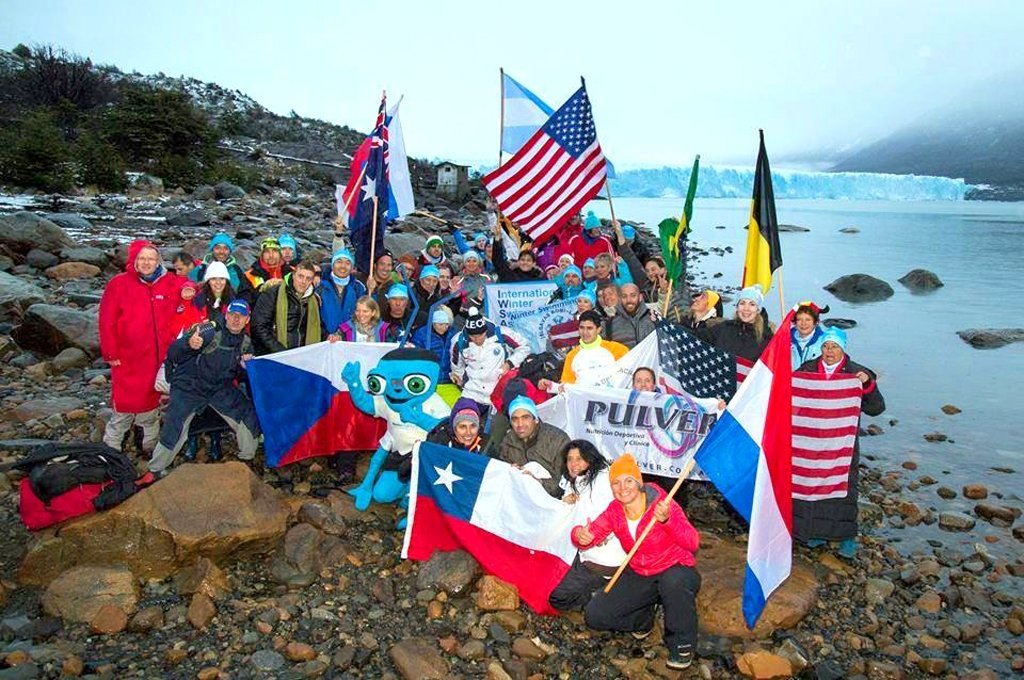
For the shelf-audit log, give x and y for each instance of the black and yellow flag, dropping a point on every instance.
(764, 255)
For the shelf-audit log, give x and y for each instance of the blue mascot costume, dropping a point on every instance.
(402, 390)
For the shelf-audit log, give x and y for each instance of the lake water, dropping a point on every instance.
(976, 248)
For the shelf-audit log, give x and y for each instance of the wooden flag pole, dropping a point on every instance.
(650, 525)
(782, 300)
(668, 296)
(373, 237)
(501, 130)
(611, 206)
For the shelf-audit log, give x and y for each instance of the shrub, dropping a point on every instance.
(33, 153)
(98, 163)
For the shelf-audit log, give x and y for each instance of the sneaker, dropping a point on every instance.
(680, 658)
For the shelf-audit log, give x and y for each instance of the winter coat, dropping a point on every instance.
(138, 321)
(337, 307)
(811, 349)
(507, 274)
(591, 365)
(210, 368)
(426, 302)
(835, 519)
(427, 338)
(258, 275)
(583, 248)
(347, 331)
(629, 330)
(670, 543)
(544, 446)
(236, 275)
(478, 367)
(737, 338)
(591, 500)
(264, 321)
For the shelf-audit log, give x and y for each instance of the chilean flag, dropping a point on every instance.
(303, 404)
(500, 515)
(748, 455)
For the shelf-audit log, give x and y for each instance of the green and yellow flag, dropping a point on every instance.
(764, 254)
(672, 231)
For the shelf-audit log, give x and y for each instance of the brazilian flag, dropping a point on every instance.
(673, 231)
(764, 255)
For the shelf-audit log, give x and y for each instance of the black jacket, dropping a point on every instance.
(507, 274)
(264, 323)
(210, 368)
(737, 338)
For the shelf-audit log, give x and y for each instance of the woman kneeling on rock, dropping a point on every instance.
(661, 572)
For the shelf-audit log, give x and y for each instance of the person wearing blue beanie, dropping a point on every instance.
(289, 249)
(592, 222)
(339, 291)
(752, 293)
(836, 335)
(535, 447)
(220, 250)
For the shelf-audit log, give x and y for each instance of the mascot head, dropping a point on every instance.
(406, 376)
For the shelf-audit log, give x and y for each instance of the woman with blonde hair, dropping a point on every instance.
(365, 324)
(747, 334)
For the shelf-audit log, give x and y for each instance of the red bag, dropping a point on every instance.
(37, 515)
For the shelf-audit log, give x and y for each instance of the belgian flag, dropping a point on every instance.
(764, 255)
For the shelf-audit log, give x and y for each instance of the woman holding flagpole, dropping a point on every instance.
(662, 570)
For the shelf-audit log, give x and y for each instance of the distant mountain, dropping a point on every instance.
(978, 137)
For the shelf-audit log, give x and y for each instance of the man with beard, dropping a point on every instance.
(632, 321)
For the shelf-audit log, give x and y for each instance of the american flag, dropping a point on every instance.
(826, 411)
(554, 174)
(694, 367)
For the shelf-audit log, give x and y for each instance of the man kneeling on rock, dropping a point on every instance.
(203, 367)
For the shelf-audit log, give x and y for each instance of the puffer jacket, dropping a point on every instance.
(810, 351)
(138, 321)
(264, 322)
(212, 367)
(670, 543)
(544, 446)
(479, 367)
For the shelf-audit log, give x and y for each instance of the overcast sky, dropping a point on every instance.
(667, 79)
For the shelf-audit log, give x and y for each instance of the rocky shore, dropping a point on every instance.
(173, 584)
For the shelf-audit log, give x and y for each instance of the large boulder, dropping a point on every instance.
(224, 190)
(86, 254)
(23, 231)
(190, 218)
(79, 593)
(51, 328)
(921, 281)
(860, 288)
(70, 221)
(38, 409)
(17, 295)
(223, 512)
(73, 270)
(720, 601)
(305, 551)
(991, 338)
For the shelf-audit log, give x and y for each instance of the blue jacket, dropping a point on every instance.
(427, 338)
(811, 351)
(335, 310)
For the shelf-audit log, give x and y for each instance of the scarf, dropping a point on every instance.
(157, 273)
(281, 316)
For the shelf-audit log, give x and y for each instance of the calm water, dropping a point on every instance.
(977, 249)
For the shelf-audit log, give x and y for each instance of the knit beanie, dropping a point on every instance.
(752, 293)
(475, 322)
(523, 403)
(836, 335)
(625, 466)
(221, 239)
(216, 270)
(592, 221)
(431, 240)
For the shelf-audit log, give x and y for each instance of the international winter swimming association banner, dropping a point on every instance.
(504, 299)
(661, 430)
(535, 325)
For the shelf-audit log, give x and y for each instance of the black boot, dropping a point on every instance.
(192, 449)
(213, 454)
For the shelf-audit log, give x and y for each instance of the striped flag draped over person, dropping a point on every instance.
(379, 168)
(559, 169)
(764, 254)
(748, 456)
(522, 114)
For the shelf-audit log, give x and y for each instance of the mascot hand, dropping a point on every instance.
(350, 374)
(363, 497)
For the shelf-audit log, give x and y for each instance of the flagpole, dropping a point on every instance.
(782, 299)
(501, 130)
(373, 238)
(650, 525)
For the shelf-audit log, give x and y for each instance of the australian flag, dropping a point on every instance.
(698, 368)
(374, 184)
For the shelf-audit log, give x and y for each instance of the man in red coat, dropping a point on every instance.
(139, 318)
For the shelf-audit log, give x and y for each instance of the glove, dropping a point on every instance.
(350, 374)
(362, 495)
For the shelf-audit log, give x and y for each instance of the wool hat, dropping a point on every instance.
(432, 240)
(589, 263)
(465, 410)
(430, 270)
(625, 466)
(471, 255)
(592, 221)
(550, 267)
(238, 306)
(713, 297)
(343, 254)
(565, 256)
(269, 243)
(752, 293)
(397, 290)
(221, 239)
(523, 403)
(836, 335)
(480, 236)
(475, 322)
(589, 295)
(216, 270)
(287, 241)
(441, 315)
(572, 269)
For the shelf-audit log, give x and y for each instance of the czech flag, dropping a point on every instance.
(498, 514)
(303, 405)
(748, 455)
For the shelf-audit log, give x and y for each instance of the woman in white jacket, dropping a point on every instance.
(585, 482)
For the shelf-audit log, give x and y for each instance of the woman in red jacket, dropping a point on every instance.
(661, 572)
(140, 315)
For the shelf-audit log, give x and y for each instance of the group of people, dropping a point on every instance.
(177, 341)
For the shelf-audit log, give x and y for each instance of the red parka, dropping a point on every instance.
(138, 322)
(673, 542)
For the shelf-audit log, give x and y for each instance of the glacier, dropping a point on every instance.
(727, 182)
